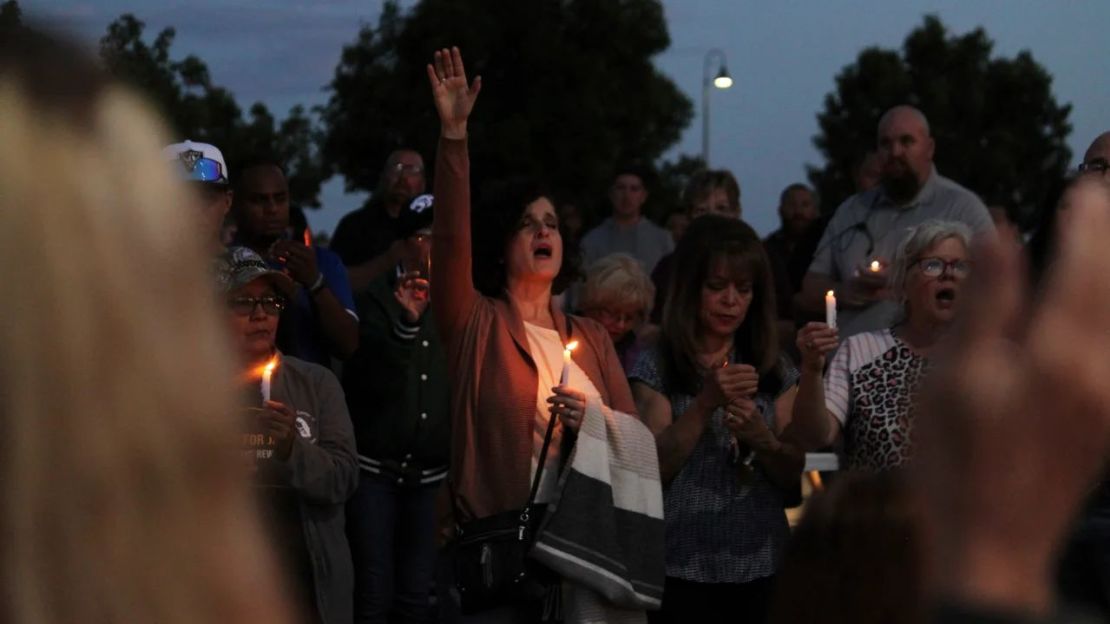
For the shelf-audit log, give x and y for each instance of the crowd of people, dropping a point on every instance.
(470, 408)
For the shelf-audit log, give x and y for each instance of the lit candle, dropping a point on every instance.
(267, 378)
(876, 266)
(566, 362)
(307, 237)
(830, 309)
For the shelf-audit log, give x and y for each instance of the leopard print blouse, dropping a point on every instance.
(870, 387)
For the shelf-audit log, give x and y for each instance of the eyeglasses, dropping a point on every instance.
(606, 315)
(403, 169)
(244, 306)
(1095, 165)
(935, 267)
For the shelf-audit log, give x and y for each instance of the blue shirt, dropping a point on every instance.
(301, 334)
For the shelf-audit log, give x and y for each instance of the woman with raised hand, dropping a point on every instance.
(505, 343)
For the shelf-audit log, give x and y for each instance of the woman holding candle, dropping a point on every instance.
(718, 396)
(871, 382)
(303, 482)
(505, 338)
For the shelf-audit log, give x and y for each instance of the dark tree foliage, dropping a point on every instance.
(197, 109)
(998, 128)
(569, 89)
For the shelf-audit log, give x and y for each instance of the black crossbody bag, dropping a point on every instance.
(490, 555)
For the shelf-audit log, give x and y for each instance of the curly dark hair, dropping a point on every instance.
(494, 221)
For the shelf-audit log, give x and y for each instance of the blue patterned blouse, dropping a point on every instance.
(720, 529)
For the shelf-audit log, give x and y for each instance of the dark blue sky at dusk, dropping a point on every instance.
(783, 57)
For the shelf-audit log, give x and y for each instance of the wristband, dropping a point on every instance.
(317, 285)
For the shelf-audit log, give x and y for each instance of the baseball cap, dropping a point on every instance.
(238, 266)
(199, 162)
(416, 216)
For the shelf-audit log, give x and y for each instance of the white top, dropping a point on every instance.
(546, 347)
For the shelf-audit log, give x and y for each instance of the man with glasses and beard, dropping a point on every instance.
(854, 255)
(366, 239)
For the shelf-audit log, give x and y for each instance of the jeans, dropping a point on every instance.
(391, 529)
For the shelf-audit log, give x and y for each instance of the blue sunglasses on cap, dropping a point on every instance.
(204, 170)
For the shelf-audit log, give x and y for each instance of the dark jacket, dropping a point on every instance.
(322, 471)
(397, 391)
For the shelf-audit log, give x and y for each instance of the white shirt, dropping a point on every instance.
(546, 348)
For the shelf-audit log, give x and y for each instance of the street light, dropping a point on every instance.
(722, 81)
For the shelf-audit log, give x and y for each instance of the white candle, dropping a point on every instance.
(876, 266)
(566, 362)
(830, 309)
(267, 378)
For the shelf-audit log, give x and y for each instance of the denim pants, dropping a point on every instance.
(391, 529)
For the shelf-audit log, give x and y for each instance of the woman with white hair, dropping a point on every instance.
(618, 294)
(871, 382)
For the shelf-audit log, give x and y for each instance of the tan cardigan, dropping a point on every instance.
(493, 376)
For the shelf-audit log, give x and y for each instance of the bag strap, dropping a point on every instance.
(526, 512)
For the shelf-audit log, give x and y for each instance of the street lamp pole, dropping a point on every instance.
(721, 81)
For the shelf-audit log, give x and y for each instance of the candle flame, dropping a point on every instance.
(572, 345)
(829, 294)
(258, 372)
(876, 266)
(307, 237)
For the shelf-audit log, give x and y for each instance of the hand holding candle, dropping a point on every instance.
(830, 309)
(571, 346)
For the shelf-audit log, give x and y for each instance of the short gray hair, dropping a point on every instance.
(920, 238)
(617, 280)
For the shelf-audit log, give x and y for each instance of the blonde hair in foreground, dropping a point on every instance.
(123, 501)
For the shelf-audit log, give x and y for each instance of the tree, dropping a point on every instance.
(569, 90)
(998, 128)
(10, 15)
(183, 92)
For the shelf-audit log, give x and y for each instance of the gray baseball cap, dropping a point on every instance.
(239, 266)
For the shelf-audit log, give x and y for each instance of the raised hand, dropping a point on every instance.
(454, 98)
(1015, 419)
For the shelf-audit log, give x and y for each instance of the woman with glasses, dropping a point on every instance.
(298, 436)
(871, 383)
(618, 294)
